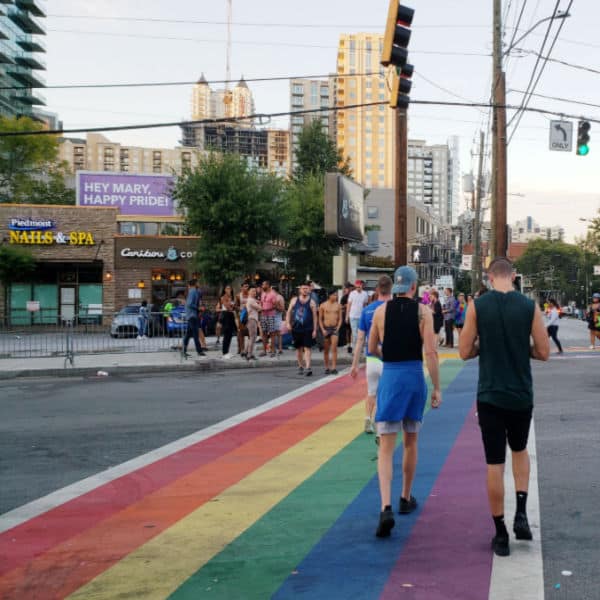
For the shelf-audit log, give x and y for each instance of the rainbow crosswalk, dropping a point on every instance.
(283, 504)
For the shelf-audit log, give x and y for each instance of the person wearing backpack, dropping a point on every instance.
(302, 322)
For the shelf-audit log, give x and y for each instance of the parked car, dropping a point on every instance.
(126, 322)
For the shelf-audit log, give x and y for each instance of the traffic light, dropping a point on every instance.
(395, 53)
(583, 138)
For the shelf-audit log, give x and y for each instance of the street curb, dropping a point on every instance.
(202, 366)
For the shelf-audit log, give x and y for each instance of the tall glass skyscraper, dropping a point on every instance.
(21, 65)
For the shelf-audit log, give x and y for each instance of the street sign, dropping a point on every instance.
(596, 270)
(561, 136)
(467, 262)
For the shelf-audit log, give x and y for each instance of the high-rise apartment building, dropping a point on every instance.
(97, 153)
(365, 135)
(455, 197)
(21, 25)
(429, 177)
(310, 94)
(221, 104)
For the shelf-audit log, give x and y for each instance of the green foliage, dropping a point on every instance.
(316, 153)
(309, 251)
(234, 209)
(555, 268)
(13, 261)
(29, 168)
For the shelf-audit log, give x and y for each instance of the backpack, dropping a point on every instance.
(244, 316)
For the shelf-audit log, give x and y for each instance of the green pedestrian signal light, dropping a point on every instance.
(583, 138)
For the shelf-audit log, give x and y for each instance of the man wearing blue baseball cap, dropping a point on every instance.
(402, 329)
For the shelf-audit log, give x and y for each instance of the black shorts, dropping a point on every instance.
(302, 339)
(499, 425)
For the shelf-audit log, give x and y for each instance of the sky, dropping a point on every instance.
(93, 42)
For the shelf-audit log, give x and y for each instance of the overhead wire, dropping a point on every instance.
(261, 116)
(528, 99)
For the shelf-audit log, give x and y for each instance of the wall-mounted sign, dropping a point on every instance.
(131, 194)
(30, 224)
(344, 208)
(170, 254)
(48, 238)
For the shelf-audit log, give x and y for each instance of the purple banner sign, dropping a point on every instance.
(141, 195)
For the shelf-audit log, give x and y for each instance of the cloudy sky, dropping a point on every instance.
(98, 42)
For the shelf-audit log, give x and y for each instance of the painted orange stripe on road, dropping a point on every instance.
(69, 565)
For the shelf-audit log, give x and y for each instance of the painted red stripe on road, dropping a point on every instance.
(448, 554)
(21, 544)
(68, 566)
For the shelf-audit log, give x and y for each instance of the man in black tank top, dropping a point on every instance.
(498, 327)
(401, 330)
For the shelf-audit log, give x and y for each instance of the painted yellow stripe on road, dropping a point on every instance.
(160, 566)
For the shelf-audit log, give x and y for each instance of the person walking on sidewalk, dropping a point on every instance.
(593, 319)
(438, 314)
(302, 322)
(192, 306)
(402, 329)
(552, 321)
(498, 328)
(374, 363)
(268, 301)
(143, 320)
(330, 321)
(449, 310)
(357, 300)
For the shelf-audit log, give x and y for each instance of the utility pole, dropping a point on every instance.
(498, 242)
(476, 272)
(401, 212)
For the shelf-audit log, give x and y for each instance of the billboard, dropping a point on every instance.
(344, 208)
(139, 195)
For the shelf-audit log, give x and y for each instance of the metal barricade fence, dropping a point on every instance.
(47, 333)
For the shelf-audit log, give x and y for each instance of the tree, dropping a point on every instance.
(554, 267)
(30, 171)
(316, 153)
(235, 210)
(14, 260)
(309, 250)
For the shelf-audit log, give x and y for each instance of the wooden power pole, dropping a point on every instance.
(401, 212)
(498, 242)
(476, 267)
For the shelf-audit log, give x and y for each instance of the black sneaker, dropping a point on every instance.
(327, 371)
(407, 506)
(334, 371)
(521, 527)
(500, 545)
(201, 353)
(300, 370)
(308, 372)
(386, 523)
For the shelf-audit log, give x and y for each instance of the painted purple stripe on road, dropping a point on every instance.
(448, 554)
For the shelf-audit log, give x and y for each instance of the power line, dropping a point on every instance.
(560, 62)
(177, 83)
(251, 24)
(562, 24)
(260, 116)
(558, 99)
(537, 62)
(247, 42)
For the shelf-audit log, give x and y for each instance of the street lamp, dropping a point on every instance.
(559, 15)
(585, 265)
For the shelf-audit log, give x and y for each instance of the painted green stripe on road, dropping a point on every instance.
(258, 562)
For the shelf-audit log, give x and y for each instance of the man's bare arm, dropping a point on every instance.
(468, 346)
(541, 342)
(376, 333)
(431, 356)
(360, 340)
(288, 317)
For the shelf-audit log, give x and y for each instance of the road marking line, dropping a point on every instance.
(37, 507)
(160, 566)
(521, 574)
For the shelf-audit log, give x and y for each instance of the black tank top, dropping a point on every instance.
(402, 337)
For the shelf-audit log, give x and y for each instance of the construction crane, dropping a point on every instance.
(228, 98)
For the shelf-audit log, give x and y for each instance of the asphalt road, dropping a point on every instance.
(54, 432)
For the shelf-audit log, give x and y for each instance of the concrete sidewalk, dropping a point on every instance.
(145, 362)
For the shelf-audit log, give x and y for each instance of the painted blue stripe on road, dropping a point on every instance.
(332, 569)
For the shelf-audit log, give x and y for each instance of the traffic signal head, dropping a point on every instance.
(397, 35)
(401, 86)
(583, 138)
